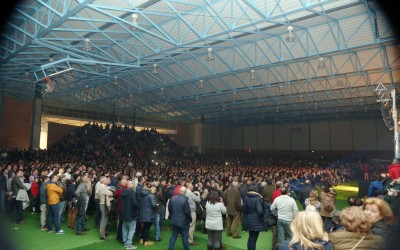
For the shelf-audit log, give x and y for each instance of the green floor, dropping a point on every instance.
(28, 236)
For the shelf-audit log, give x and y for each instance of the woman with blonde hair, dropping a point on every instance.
(308, 233)
(313, 200)
(357, 232)
(380, 216)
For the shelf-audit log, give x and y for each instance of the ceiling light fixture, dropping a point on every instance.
(26, 76)
(134, 22)
(321, 64)
(210, 56)
(290, 37)
(201, 85)
(252, 75)
(87, 47)
(154, 71)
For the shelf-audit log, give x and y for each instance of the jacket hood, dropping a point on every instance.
(252, 193)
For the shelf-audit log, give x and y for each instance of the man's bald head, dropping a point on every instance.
(182, 190)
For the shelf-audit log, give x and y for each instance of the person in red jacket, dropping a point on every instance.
(277, 192)
(121, 187)
(35, 190)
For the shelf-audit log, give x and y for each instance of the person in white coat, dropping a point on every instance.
(215, 208)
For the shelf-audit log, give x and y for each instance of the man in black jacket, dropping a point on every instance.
(181, 218)
(81, 193)
(305, 193)
(128, 213)
(16, 185)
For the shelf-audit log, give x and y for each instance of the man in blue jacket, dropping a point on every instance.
(181, 218)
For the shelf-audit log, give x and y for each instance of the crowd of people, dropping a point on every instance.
(142, 178)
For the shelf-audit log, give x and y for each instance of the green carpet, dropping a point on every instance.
(29, 236)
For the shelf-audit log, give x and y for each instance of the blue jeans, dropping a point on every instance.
(327, 222)
(162, 214)
(157, 226)
(252, 241)
(80, 223)
(54, 215)
(283, 229)
(128, 230)
(184, 231)
(2, 200)
(267, 210)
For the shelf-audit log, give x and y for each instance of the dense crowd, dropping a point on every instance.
(141, 178)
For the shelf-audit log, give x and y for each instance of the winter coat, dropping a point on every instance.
(81, 205)
(285, 246)
(214, 214)
(233, 201)
(35, 189)
(345, 240)
(43, 193)
(53, 193)
(381, 229)
(253, 212)
(324, 195)
(305, 193)
(148, 208)
(128, 205)
(374, 186)
(3, 182)
(16, 185)
(179, 211)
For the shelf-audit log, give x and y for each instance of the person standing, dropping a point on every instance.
(267, 199)
(16, 185)
(53, 200)
(215, 208)
(328, 205)
(147, 215)
(62, 183)
(233, 204)
(287, 209)
(192, 198)
(305, 193)
(128, 213)
(43, 203)
(81, 193)
(179, 212)
(97, 215)
(105, 195)
(253, 214)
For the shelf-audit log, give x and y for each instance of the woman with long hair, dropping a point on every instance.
(308, 233)
(380, 216)
(215, 208)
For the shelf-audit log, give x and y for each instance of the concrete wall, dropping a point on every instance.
(336, 135)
